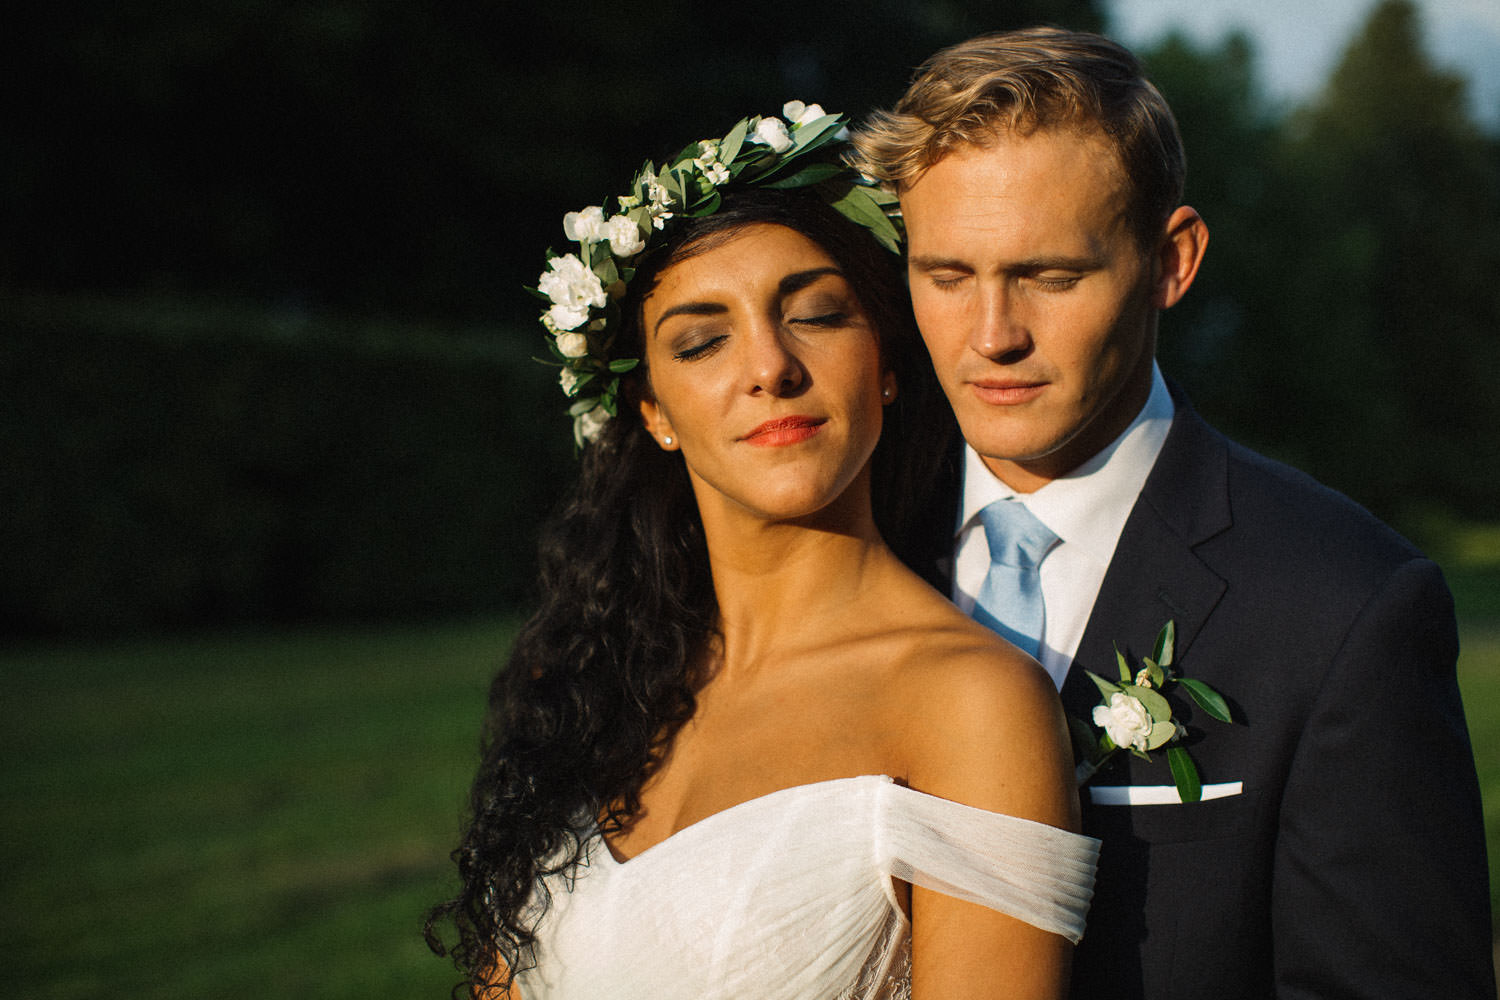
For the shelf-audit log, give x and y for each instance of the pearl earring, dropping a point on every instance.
(667, 440)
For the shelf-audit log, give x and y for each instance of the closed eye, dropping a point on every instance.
(702, 350)
(825, 319)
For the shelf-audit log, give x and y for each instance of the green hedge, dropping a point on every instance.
(169, 466)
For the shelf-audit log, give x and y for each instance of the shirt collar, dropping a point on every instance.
(1087, 507)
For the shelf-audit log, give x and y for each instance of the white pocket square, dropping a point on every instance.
(1155, 795)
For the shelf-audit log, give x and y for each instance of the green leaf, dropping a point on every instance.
(582, 406)
(1154, 702)
(1085, 743)
(1166, 639)
(605, 268)
(544, 297)
(1207, 698)
(1157, 675)
(730, 147)
(857, 205)
(1105, 687)
(1161, 734)
(811, 174)
(708, 206)
(1185, 774)
(816, 133)
(622, 365)
(1125, 674)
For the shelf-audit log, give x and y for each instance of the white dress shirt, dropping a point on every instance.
(1087, 509)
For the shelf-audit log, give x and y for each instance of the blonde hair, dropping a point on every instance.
(1022, 82)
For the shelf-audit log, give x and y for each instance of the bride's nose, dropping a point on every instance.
(772, 367)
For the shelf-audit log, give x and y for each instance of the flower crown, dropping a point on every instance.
(583, 289)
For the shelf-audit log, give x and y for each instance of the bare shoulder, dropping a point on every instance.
(980, 723)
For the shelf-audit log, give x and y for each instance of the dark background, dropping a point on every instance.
(264, 355)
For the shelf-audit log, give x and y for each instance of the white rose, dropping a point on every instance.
(772, 132)
(800, 114)
(591, 424)
(1124, 720)
(573, 289)
(624, 236)
(572, 345)
(586, 226)
(568, 379)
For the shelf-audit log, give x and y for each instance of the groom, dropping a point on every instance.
(1338, 850)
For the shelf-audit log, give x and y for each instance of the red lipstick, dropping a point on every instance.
(784, 431)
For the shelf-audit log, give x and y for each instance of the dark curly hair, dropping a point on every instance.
(606, 670)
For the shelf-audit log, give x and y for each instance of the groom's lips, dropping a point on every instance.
(784, 430)
(1006, 392)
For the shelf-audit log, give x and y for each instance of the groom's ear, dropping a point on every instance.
(1177, 256)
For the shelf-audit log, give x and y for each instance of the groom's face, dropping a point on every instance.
(1033, 295)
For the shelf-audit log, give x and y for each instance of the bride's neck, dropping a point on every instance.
(781, 584)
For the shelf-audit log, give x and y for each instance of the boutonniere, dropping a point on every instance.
(1136, 715)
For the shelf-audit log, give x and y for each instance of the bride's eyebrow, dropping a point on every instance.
(799, 280)
(690, 309)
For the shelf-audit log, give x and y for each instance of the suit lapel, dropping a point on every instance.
(1155, 574)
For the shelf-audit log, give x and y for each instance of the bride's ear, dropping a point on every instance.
(657, 423)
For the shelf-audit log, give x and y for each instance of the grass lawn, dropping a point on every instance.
(270, 815)
(234, 817)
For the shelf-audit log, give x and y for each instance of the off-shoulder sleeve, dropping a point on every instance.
(1028, 870)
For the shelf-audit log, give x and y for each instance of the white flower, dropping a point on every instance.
(586, 226)
(800, 114)
(572, 345)
(659, 200)
(1124, 720)
(772, 132)
(716, 173)
(624, 236)
(590, 424)
(573, 289)
(568, 379)
(1143, 679)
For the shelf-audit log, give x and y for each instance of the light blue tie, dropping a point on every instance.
(1010, 602)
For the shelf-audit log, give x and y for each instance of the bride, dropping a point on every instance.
(740, 749)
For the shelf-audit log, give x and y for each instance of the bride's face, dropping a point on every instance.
(765, 371)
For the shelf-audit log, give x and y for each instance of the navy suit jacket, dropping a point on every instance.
(1353, 862)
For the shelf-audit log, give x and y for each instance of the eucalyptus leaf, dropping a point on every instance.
(1105, 687)
(1155, 704)
(1185, 774)
(622, 365)
(606, 270)
(1126, 676)
(1161, 734)
(541, 295)
(582, 406)
(1166, 639)
(1207, 698)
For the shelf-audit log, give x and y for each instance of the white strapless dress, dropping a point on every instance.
(789, 897)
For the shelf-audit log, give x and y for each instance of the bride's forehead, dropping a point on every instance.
(750, 254)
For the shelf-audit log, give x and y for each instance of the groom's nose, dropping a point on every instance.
(998, 329)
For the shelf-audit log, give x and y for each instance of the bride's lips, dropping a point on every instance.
(784, 431)
(1006, 392)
